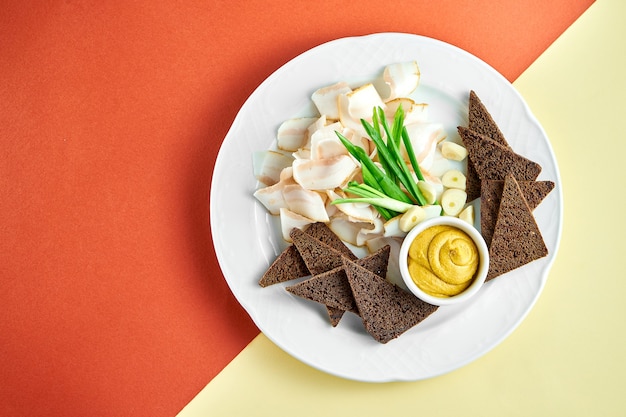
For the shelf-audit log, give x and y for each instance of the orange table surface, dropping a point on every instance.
(112, 115)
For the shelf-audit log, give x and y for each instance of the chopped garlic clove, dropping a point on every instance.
(454, 179)
(411, 218)
(430, 191)
(453, 201)
(453, 151)
(467, 215)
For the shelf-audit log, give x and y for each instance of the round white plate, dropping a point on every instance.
(247, 239)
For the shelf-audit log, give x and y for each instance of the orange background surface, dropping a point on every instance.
(112, 114)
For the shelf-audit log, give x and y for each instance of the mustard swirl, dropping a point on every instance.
(443, 261)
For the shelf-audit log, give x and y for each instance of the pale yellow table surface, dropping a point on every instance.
(568, 358)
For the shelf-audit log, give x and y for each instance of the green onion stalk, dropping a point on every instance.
(391, 190)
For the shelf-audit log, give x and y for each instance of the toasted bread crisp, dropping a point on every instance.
(332, 288)
(491, 194)
(287, 266)
(472, 182)
(322, 232)
(334, 315)
(481, 122)
(386, 309)
(516, 238)
(290, 265)
(493, 160)
(318, 256)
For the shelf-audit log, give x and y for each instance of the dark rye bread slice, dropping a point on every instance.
(377, 262)
(289, 264)
(481, 122)
(334, 315)
(332, 289)
(491, 194)
(387, 310)
(472, 182)
(318, 256)
(516, 238)
(493, 161)
(322, 232)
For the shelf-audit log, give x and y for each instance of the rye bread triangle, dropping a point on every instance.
(322, 232)
(493, 161)
(318, 256)
(480, 121)
(332, 288)
(387, 310)
(472, 182)
(334, 315)
(289, 265)
(516, 238)
(341, 299)
(491, 194)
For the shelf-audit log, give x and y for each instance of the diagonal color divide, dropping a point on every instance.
(564, 360)
(113, 303)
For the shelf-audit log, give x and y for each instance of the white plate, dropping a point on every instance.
(246, 238)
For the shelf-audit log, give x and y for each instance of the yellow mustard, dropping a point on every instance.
(443, 261)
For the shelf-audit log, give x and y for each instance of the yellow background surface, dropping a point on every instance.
(568, 357)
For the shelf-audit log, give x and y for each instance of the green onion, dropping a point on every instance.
(383, 188)
(394, 145)
(409, 150)
(389, 187)
(384, 202)
(367, 191)
(364, 190)
(389, 153)
(371, 183)
(361, 192)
